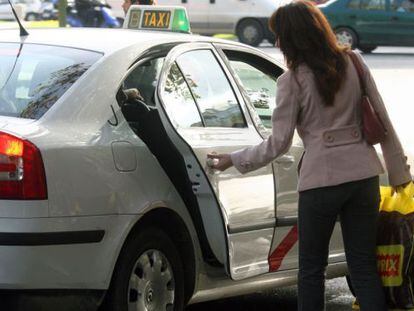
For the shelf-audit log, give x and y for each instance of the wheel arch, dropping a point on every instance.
(169, 221)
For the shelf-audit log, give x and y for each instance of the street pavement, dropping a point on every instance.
(338, 298)
(393, 70)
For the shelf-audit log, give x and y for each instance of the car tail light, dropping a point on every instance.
(22, 174)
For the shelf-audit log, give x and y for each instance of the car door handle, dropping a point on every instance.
(352, 16)
(184, 1)
(209, 167)
(394, 18)
(285, 159)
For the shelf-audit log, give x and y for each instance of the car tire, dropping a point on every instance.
(366, 49)
(272, 41)
(250, 31)
(30, 17)
(347, 37)
(151, 263)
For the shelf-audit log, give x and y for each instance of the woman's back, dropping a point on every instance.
(335, 149)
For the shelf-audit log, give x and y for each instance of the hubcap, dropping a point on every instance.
(250, 33)
(151, 285)
(345, 38)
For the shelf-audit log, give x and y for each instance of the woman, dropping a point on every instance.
(320, 96)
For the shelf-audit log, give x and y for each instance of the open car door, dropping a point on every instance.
(203, 111)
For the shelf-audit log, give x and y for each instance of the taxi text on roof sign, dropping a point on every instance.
(166, 18)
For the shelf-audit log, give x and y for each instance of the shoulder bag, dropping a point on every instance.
(372, 127)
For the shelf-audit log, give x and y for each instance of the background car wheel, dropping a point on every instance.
(148, 275)
(31, 17)
(346, 37)
(250, 31)
(272, 41)
(366, 49)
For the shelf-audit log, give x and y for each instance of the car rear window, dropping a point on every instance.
(33, 77)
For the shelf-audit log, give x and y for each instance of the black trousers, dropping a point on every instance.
(356, 203)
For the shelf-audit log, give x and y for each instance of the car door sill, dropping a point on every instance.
(287, 221)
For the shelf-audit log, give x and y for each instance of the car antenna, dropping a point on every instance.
(23, 32)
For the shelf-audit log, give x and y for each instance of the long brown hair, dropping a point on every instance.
(304, 36)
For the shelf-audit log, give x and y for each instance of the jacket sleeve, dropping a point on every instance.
(395, 159)
(284, 120)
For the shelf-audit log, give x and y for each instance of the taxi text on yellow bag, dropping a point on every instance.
(395, 246)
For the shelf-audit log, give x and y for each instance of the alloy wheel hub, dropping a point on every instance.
(344, 38)
(151, 284)
(250, 33)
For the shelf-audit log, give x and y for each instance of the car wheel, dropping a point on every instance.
(366, 48)
(346, 37)
(272, 41)
(250, 32)
(31, 17)
(351, 288)
(148, 275)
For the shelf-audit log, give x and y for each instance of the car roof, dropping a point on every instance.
(102, 40)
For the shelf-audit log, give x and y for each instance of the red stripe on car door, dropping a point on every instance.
(276, 258)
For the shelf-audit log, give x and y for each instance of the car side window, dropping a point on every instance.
(143, 80)
(373, 5)
(178, 100)
(354, 4)
(258, 78)
(211, 89)
(260, 87)
(402, 6)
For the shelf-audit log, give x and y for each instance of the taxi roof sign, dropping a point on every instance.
(164, 18)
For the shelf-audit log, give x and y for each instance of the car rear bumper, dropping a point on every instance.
(61, 253)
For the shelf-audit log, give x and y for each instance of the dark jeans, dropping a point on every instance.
(357, 205)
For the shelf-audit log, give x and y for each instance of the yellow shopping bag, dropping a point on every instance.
(395, 245)
(401, 200)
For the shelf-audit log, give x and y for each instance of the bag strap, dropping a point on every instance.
(360, 71)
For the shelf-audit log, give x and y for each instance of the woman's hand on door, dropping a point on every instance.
(219, 162)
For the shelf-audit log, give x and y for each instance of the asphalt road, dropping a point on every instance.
(338, 298)
(393, 70)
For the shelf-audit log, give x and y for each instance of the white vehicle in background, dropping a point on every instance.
(29, 10)
(39, 10)
(248, 19)
(6, 12)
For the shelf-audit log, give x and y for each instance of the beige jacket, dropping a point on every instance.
(335, 151)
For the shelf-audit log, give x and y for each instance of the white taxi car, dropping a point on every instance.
(105, 195)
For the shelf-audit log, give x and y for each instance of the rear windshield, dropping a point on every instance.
(33, 77)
